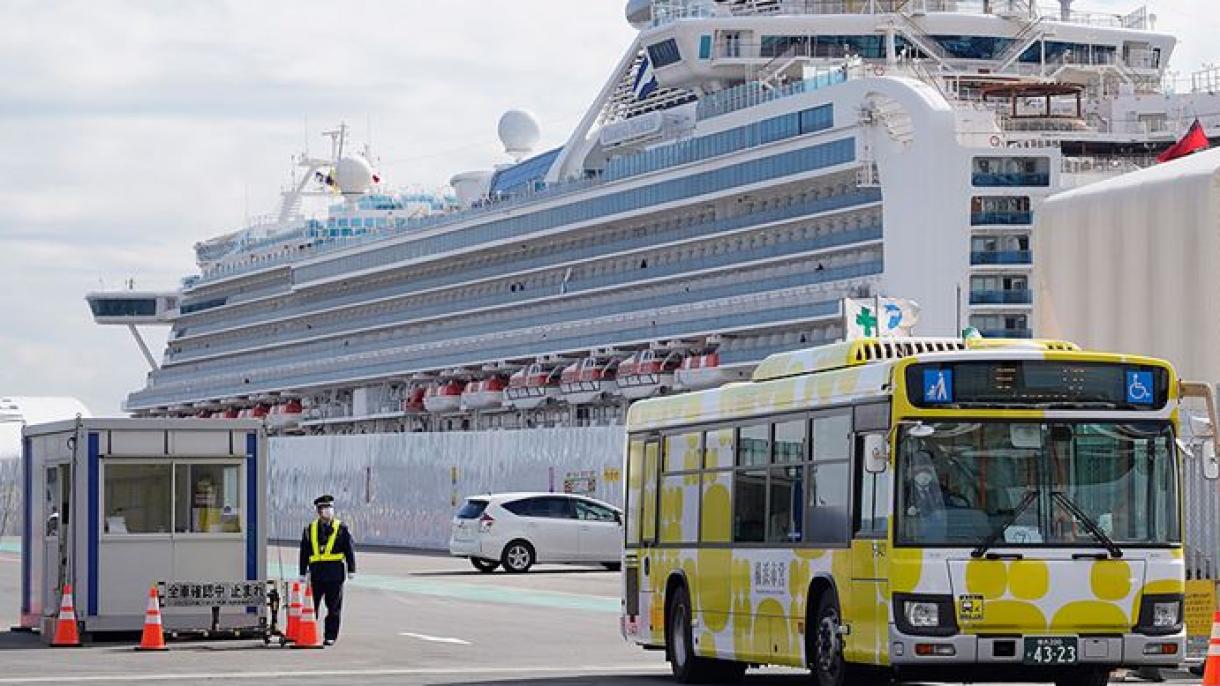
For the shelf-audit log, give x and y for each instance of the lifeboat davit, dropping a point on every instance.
(413, 400)
(533, 386)
(285, 414)
(704, 371)
(588, 379)
(445, 396)
(647, 373)
(484, 394)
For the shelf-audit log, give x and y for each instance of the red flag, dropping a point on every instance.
(1194, 140)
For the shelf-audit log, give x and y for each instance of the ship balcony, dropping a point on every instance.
(1002, 297)
(1002, 218)
(1005, 257)
(1006, 333)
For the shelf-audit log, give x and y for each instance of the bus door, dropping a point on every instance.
(870, 546)
(642, 590)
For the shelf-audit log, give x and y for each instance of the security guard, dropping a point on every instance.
(328, 556)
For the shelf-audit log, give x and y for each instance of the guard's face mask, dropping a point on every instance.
(326, 512)
(924, 478)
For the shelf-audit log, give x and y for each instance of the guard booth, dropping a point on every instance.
(113, 506)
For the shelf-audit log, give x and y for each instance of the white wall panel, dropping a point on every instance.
(401, 489)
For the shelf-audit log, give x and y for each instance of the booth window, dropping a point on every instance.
(137, 498)
(206, 499)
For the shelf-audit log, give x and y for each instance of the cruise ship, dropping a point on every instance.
(747, 168)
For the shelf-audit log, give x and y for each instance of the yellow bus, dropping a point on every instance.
(911, 508)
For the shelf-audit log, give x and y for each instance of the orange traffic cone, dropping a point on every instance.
(293, 627)
(307, 629)
(1211, 671)
(66, 633)
(154, 637)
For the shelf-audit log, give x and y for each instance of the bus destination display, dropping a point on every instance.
(1037, 383)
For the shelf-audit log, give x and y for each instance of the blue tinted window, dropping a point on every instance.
(664, 53)
(974, 47)
(526, 175)
(705, 47)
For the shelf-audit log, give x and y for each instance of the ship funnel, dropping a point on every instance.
(1065, 10)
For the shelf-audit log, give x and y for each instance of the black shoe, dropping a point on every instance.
(328, 642)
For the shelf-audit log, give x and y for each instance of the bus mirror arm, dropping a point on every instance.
(1198, 389)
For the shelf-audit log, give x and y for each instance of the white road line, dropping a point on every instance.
(314, 673)
(434, 639)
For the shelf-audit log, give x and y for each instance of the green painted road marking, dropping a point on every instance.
(474, 592)
(478, 593)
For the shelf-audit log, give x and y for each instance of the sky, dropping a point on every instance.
(131, 130)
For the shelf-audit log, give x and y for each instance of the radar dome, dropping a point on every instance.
(519, 132)
(353, 175)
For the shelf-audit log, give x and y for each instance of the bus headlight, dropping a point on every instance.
(921, 614)
(1160, 614)
(925, 614)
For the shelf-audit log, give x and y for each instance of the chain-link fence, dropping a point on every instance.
(10, 498)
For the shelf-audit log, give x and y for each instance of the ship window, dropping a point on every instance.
(124, 307)
(974, 47)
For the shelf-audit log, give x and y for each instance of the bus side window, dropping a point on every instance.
(635, 480)
(648, 491)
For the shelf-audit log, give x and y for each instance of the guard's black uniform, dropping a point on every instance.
(326, 578)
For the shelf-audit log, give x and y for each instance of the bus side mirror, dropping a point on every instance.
(876, 453)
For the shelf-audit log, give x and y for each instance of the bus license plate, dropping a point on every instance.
(1050, 651)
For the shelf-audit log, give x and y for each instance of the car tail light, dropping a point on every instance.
(485, 522)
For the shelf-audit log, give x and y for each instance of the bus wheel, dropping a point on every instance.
(824, 644)
(680, 645)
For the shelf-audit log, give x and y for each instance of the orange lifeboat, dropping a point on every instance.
(413, 399)
(445, 396)
(231, 413)
(484, 394)
(285, 414)
(533, 386)
(647, 373)
(589, 379)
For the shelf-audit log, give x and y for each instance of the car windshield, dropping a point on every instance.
(1017, 483)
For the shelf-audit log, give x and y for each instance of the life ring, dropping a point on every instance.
(878, 70)
(995, 141)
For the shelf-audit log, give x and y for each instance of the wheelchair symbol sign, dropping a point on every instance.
(1139, 388)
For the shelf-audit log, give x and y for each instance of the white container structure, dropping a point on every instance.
(1131, 264)
(115, 505)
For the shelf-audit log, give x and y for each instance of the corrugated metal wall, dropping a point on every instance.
(401, 489)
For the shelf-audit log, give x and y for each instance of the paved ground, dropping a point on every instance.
(410, 619)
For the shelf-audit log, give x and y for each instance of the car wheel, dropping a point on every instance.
(613, 566)
(824, 644)
(485, 566)
(518, 557)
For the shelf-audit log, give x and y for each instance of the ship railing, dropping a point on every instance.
(799, 303)
(857, 238)
(310, 351)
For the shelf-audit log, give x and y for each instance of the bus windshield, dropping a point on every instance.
(961, 483)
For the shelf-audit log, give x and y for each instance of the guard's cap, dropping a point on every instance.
(324, 501)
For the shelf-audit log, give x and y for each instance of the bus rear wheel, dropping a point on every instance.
(687, 667)
(824, 643)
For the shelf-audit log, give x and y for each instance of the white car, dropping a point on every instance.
(517, 530)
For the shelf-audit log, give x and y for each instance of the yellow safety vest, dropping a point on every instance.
(327, 555)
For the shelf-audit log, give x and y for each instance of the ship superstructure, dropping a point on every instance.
(746, 166)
